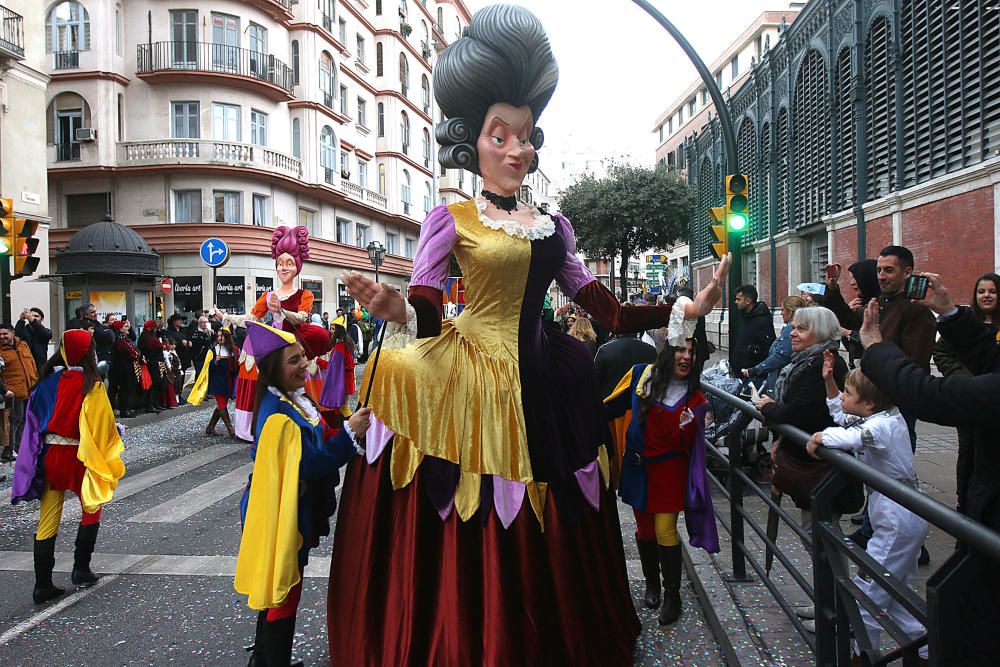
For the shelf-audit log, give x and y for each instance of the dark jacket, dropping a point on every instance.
(959, 401)
(37, 336)
(908, 325)
(104, 341)
(178, 337)
(616, 357)
(754, 338)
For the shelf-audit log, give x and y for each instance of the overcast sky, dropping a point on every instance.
(618, 69)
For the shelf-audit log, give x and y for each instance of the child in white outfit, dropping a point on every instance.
(870, 426)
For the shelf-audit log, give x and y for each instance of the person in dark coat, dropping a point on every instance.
(201, 335)
(616, 357)
(151, 349)
(955, 401)
(31, 330)
(125, 369)
(104, 338)
(176, 334)
(756, 331)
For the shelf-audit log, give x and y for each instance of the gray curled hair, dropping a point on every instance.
(503, 56)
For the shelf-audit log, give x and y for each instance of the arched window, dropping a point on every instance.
(295, 61)
(327, 78)
(404, 73)
(328, 152)
(427, 148)
(68, 28)
(426, 33)
(404, 192)
(811, 123)
(379, 64)
(425, 93)
(404, 132)
(427, 197)
(296, 138)
(880, 118)
(381, 178)
(381, 119)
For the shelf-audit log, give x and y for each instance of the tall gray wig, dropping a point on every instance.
(503, 56)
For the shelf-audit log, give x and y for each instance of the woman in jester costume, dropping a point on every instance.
(70, 443)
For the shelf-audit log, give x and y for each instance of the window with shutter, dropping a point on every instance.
(763, 227)
(811, 117)
(844, 117)
(705, 201)
(746, 145)
(782, 184)
(880, 119)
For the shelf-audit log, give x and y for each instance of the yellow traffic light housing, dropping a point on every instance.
(18, 240)
(7, 219)
(721, 244)
(737, 214)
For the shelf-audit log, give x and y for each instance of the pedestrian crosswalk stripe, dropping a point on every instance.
(197, 499)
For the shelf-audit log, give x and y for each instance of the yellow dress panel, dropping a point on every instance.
(457, 396)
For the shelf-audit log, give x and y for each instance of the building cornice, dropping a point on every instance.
(356, 13)
(456, 191)
(408, 160)
(322, 108)
(385, 32)
(89, 75)
(357, 79)
(408, 102)
(312, 27)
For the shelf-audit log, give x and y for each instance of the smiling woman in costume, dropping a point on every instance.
(480, 528)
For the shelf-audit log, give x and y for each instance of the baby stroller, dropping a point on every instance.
(727, 419)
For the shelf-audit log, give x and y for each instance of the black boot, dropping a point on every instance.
(7, 454)
(670, 565)
(210, 429)
(86, 538)
(257, 650)
(45, 560)
(278, 643)
(650, 560)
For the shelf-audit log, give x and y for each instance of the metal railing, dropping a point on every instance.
(219, 58)
(836, 597)
(12, 32)
(67, 151)
(65, 59)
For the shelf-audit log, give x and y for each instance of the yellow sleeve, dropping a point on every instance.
(267, 566)
(200, 388)
(100, 450)
(623, 386)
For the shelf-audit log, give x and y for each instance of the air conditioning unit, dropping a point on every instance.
(85, 134)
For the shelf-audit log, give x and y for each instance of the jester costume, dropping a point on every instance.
(481, 528)
(663, 472)
(286, 505)
(70, 443)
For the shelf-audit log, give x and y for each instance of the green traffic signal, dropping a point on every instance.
(4, 249)
(737, 222)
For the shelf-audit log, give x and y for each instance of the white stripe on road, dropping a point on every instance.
(160, 565)
(197, 499)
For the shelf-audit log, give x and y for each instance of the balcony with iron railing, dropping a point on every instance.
(11, 34)
(185, 62)
(207, 152)
(65, 59)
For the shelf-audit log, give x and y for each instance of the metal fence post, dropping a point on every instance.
(824, 580)
(734, 441)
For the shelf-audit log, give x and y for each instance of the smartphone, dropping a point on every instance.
(916, 287)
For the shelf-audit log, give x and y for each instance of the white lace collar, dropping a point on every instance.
(542, 227)
(301, 403)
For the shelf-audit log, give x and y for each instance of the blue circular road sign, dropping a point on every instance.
(214, 252)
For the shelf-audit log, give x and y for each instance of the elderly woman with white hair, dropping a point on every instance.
(800, 400)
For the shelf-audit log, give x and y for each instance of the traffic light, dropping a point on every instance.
(18, 240)
(737, 216)
(721, 244)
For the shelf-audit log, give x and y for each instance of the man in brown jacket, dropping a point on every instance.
(19, 376)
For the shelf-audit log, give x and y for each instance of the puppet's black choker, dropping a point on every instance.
(508, 204)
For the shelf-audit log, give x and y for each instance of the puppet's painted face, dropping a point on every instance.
(285, 266)
(504, 146)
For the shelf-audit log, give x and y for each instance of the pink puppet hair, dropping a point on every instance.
(294, 241)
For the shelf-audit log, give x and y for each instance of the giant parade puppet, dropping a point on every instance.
(286, 308)
(481, 527)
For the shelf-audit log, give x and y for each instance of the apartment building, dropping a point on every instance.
(22, 142)
(189, 120)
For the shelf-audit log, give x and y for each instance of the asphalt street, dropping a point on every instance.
(167, 549)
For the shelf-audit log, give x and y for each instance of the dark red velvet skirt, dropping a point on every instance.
(407, 588)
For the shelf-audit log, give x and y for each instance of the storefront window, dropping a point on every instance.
(187, 295)
(229, 294)
(316, 287)
(143, 306)
(263, 285)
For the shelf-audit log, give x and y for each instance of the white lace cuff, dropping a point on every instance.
(400, 334)
(354, 439)
(679, 329)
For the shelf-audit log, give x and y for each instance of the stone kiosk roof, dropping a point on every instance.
(107, 247)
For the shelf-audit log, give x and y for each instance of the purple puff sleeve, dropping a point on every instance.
(573, 275)
(437, 238)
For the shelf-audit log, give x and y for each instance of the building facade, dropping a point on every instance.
(693, 108)
(22, 139)
(192, 120)
(868, 123)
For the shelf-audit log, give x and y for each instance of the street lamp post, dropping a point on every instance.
(376, 253)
